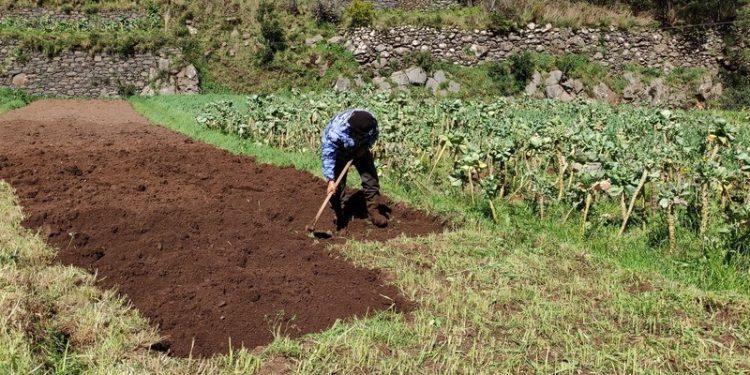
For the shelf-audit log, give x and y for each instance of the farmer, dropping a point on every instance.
(350, 135)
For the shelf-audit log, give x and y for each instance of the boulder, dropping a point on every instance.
(632, 91)
(453, 87)
(381, 83)
(190, 71)
(557, 92)
(342, 84)
(148, 91)
(479, 51)
(573, 86)
(533, 87)
(416, 75)
(603, 93)
(335, 39)
(439, 77)
(657, 92)
(554, 78)
(400, 78)
(314, 40)
(432, 84)
(20, 80)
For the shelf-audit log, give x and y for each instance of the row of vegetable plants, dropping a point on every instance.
(687, 172)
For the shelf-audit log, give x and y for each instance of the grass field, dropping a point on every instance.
(522, 296)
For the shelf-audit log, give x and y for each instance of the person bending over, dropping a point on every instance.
(349, 136)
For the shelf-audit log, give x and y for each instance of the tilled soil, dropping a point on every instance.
(209, 246)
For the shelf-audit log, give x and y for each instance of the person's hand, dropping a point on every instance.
(331, 187)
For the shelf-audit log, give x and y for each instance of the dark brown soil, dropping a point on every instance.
(207, 245)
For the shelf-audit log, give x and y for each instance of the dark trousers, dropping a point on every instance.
(366, 167)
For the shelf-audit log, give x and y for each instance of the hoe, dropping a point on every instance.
(311, 228)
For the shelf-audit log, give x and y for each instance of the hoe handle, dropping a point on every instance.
(328, 197)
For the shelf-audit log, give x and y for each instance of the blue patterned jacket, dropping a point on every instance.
(338, 143)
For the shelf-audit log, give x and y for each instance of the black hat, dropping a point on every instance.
(362, 122)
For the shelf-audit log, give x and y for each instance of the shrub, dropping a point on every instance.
(360, 13)
(327, 11)
(422, 59)
(271, 31)
(513, 75)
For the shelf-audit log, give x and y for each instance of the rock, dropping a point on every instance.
(531, 26)
(335, 39)
(400, 78)
(577, 41)
(705, 90)
(554, 78)
(533, 87)
(20, 80)
(598, 56)
(602, 92)
(192, 30)
(573, 86)
(401, 50)
(358, 81)
(453, 87)
(416, 75)
(632, 91)
(342, 84)
(163, 65)
(479, 51)
(381, 83)
(168, 89)
(439, 77)
(381, 47)
(506, 46)
(657, 92)
(432, 84)
(190, 71)
(557, 92)
(361, 50)
(314, 40)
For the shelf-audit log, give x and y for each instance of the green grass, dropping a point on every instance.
(12, 99)
(522, 296)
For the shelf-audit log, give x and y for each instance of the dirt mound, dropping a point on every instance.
(208, 245)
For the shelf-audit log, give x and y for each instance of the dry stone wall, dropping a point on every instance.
(73, 16)
(611, 47)
(79, 73)
(415, 4)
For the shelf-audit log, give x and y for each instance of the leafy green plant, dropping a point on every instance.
(360, 13)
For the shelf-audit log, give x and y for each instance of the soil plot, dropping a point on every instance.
(208, 245)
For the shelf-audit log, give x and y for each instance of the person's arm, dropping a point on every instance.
(328, 156)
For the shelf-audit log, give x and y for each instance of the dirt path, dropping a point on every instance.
(206, 244)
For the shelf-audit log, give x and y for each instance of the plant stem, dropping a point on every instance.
(672, 229)
(494, 212)
(641, 184)
(589, 199)
(437, 160)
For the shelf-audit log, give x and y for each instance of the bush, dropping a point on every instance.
(512, 76)
(360, 13)
(422, 59)
(271, 31)
(736, 94)
(327, 11)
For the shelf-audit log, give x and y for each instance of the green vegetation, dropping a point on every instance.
(517, 296)
(12, 99)
(94, 34)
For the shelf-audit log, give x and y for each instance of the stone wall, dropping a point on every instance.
(78, 73)
(73, 16)
(415, 4)
(611, 47)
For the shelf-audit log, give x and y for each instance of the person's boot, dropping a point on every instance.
(373, 211)
(340, 221)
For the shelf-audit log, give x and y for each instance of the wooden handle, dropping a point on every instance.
(328, 197)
